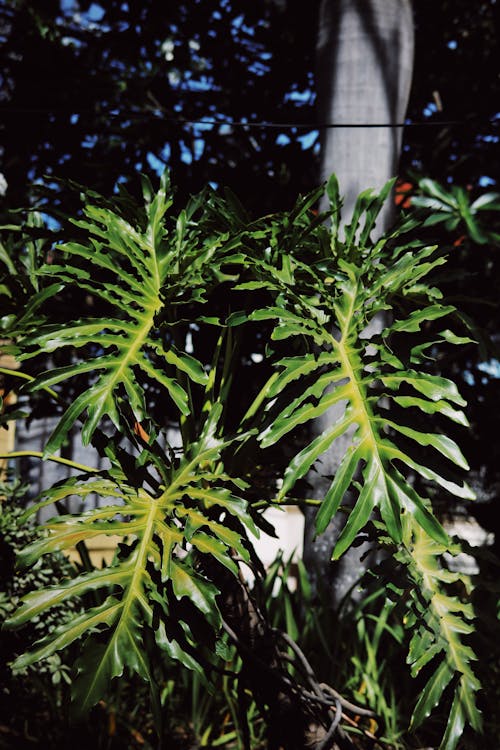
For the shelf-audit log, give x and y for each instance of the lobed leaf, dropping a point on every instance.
(189, 508)
(142, 279)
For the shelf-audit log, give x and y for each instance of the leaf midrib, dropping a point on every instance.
(130, 354)
(358, 400)
(441, 611)
(150, 309)
(134, 589)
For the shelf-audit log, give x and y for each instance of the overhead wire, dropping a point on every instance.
(256, 124)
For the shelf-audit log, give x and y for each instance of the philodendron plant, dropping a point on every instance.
(172, 293)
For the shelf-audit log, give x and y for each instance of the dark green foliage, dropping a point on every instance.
(25, 691)
(16, 535)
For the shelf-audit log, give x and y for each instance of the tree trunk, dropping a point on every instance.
(364, 71)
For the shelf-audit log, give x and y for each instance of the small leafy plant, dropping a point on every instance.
(151, 377)
(454, 209)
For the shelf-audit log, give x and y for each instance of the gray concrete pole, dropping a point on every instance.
(365, 55)
(364, 71)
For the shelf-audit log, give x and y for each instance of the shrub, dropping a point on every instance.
(173, 295)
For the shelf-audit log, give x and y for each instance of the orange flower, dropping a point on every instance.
(403, 191)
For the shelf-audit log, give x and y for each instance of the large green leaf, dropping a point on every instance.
(442, 620)
(328, 309)
(139, 273)
(155, 529)
(343, 374)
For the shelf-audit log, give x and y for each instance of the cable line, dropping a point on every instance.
(256, 124)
